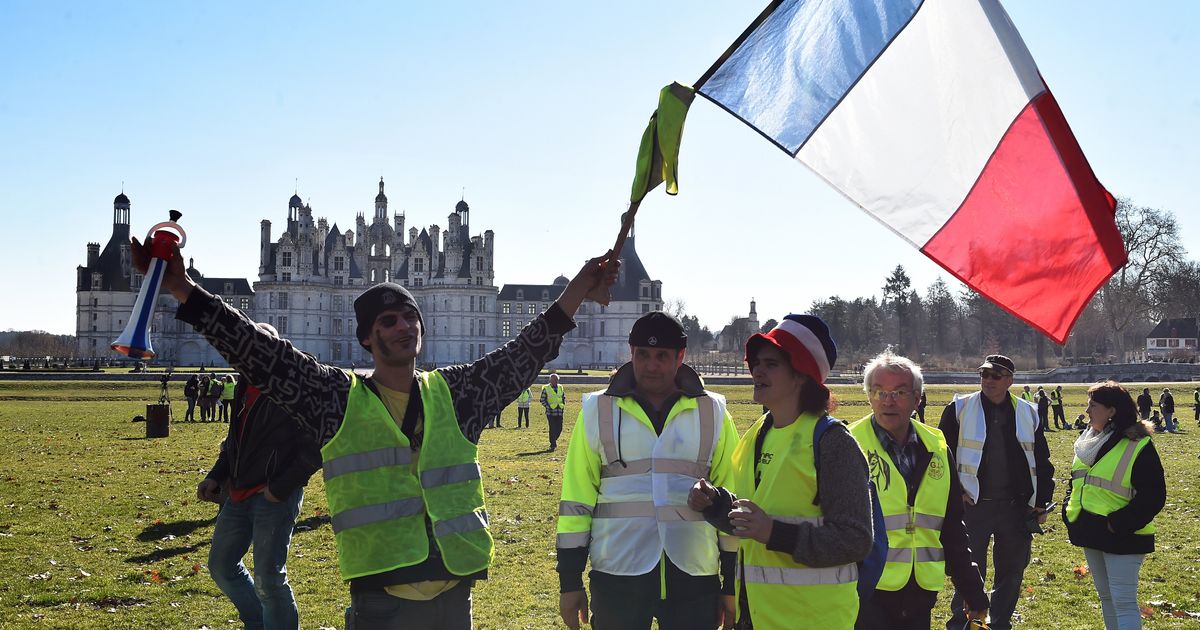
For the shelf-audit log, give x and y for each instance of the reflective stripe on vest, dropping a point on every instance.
(355, 462)
(370, 458)
(645, 509)
(923, 554)
(972, 434)
(1106, 486)
(842, 574)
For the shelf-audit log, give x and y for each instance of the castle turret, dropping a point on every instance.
(264, 243)
(93, 254)
(380, 205)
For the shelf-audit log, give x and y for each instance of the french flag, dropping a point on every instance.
(932, 117)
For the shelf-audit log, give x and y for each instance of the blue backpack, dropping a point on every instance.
(870, 569)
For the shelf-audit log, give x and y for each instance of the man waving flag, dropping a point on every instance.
(932, 117)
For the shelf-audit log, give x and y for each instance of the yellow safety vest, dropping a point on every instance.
(782, 593)
(554, 397)
(914, 531)
(379, 503)
(524, 398)
(1106, 486)
(227, 391)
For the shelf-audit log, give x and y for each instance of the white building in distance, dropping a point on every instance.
(309, 276)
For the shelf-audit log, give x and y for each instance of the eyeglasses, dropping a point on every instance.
(995, 376)
(882, 395)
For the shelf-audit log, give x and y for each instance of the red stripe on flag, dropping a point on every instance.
(1037, 233)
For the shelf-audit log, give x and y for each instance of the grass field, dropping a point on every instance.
(99, 528)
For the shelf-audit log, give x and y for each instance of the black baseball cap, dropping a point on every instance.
(656, 329)
(994, 361)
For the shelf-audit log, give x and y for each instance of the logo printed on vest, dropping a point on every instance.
(936, 468)
(879, 468)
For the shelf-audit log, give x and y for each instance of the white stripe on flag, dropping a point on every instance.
(810, 341)
(910, 140)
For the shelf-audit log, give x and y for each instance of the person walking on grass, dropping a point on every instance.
(227, 390)
(523, 402)
(1043, 408)
(1007, 478)
(1056, 405)
(262, 468)
(1166, 404)
(554, 401)
(1117, 488)
(398, 447)
(1144, 403)
(635, 451)
(191, 390)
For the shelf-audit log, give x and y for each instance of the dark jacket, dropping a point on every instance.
(191, 389)
(269, 450)
(316, 393)
(1145, 403)
(1150, 494)
(1166, 403)
(1018, 468)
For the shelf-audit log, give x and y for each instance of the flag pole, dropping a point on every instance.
(626, 226)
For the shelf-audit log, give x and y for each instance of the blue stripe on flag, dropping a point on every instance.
(795, 68)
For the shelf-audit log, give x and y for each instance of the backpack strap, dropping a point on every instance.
(768, 422)
(823, 425)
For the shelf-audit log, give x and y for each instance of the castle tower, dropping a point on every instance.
(380, 205)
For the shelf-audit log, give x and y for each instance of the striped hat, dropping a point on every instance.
(805, 340)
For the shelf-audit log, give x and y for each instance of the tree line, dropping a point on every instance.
(947, 327)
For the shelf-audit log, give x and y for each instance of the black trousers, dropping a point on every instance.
(1004, 523)
(555, 422)
(1059, 417)
(621, 602)
(522, 412)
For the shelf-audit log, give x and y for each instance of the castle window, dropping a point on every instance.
(530, 309)
(483, 303)
(479, 263)
(339, 263)
(483, 328)
(418, 282)
(645, 308)
(245, 303)
(601, 329)
(481, 352)
(337, 281)
(658, 307)
(387, 275)
(419, 265)
(94, 317)
(520, 294)
(645, 291)
(545, 294)
(337, 351)
(285, 259)
(287, 276)
(478, 281)
(337, 303)
(95, 302)
(472, 303)
(97, 282)
(373, 273)
(472, 328)
(506, 328)
(282, 325)
(337, 326)
(283, 301)
(505, 309)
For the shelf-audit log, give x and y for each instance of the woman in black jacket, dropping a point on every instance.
(1117, 487)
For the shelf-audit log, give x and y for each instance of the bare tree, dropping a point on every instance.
(1130, 297)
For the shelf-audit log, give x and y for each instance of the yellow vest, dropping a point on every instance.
(914, 532)
(782, 593)
(1106, 486)
(379, 503)
(554, 397)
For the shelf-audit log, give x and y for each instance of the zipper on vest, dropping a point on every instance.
(911, 526)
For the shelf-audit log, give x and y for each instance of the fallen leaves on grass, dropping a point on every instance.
(1081, 570)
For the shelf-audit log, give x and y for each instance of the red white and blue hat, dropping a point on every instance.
(805, 340)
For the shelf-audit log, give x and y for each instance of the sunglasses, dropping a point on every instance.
(995, 376)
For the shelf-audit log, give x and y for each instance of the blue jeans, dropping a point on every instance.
(1169, 421)
(266, 600)
(1116, 579)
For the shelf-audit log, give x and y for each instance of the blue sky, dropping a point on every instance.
(535, 108)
